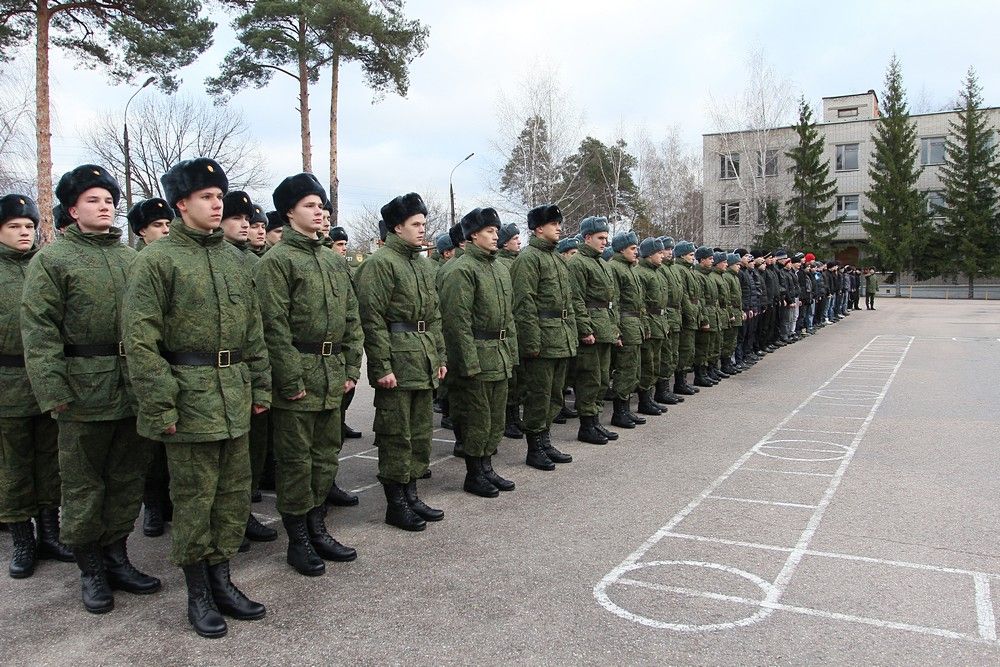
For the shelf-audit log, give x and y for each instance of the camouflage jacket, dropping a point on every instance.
(250, 258)
(190, 292)
(73, 296)
(478, 298)
(677, 302)
(654, 289)
(16, 397)
(734, 296)
(542, 293)
(306, 296)
(594, 296)
(722, 305)
(398, 288)
(506, 257)
(710, 296)
(695, 315)
(631, 302)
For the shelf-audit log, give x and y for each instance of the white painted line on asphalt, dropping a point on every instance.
(802, 449)
(789, 472)
(362, 489)
(763, 502)
(367, 457)
(984, 609)
(443, 440)
(812, 430)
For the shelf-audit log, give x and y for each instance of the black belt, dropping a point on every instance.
(12, 360)
(398, 327)
(630, 313)
(654, 311)
(478, 334)
(103, 350)
(220, 359)
(553, 314)
(595, 305)
(324, 349)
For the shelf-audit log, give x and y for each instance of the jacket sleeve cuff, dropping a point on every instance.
(164, 420)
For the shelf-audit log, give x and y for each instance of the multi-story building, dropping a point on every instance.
(745, 169)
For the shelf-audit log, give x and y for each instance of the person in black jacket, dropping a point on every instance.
(747, 276)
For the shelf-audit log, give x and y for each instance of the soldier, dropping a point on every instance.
(568, 247)
(237, 209)
(720, 262)
(150, 219)
(29, 470)
(445, 248)
(199, 365)
(597, 329)
(444, 390)
(546, 331)
(736, 314)
(654, 289)
(747, 277)
(672, 304)
(707, 296)
(338, 235)
(273, 230)
(71, 327)
(405, 351)
(633, 325)
(311, 320)
(509, 244)
(690, 308)
(482, 348)
(258, 231)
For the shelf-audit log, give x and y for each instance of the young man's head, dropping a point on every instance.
(275, 227)
(668, 248)
(509, 238)
(195, 188)
(545, 222)
(481, 227)
(595, 232)
(258, 228)
(445, 247)
(300, 200)
(150, 219)
(237, 209)
(89, 196)
(18, 218)
(406, 217)
(568, 246)
(720, 260)
(327, 218)
(339, 237)
(651, 250)
(684, 250)
(734, 262)
(627, 245)
(703, 255)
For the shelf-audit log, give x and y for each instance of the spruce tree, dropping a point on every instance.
(809, 226)
(773, 232)
(969, 175)
(897, 223)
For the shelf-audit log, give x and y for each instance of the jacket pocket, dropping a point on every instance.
(95, 381)
(199, 406)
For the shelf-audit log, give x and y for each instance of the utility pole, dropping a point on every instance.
(451, 188)
(128, 156)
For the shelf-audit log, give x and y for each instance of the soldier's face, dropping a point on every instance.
(202, 209)
(722, 266)
(94, 211)
(569, 253)
(18, 233)
(656, 259)
(448, 254)
(598, 241)
(631, 253)
(486, 238)
(550, 231)
(514, 245)
(274, 236)
(341, 247)
(412, 230)
(236, 228)
(258, 234)
(668, 254)
(307, 216)
(689, 258)
(157, 229)
(325, 229)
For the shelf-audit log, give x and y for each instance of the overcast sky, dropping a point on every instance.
(624, 64)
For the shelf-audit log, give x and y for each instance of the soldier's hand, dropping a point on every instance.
(619, 343)
(257, 409)
(589, 340)
(442, 371)
(298, 396)
(387, 382)
(170, 430)
(706, 327)
(349, 385)
(63, 407)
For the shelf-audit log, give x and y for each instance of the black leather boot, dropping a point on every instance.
(636, 419)
(96, 592)
(258, 532)
(681, 387)
(22, 560)
(550, 451)
(512, 429)
(728, 366)
(610, 435)
(230, 600)
(536, 457)
(322, 542)
(152, 518)
(646, 404)
(337, 496)
(495, 479)
(124, 576)
(701, 379)
(49, 546)
(398, 512)
(620, 416)
(716, 368)
(663, 394)
(459, 449)
(301, 554)
(203, 614)
(349, 433)
(475, 480)
(419, 507)
(589, 432)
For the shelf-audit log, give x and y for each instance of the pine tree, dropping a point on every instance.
(969, 175)
(809, 226)
(898, 224)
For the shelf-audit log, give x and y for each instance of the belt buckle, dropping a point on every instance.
(422, 326)
(326, 348)
(223, 354)
(121, 348)
(503, 334)
(564, 314)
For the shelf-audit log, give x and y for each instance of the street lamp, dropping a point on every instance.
(128, 154)
(451, 188)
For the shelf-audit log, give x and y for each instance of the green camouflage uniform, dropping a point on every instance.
(596, 311)
(190, 292)
(441, 271)
(734, 311)
(546, 331)
(679, 310)
(307, 299)
(717, 280)
(29, 454)
(705, 343)
(632, 322)
(654, 289)
(693, 316)
(506, 259)
(482, 346)
(73, 297)
(398, 289)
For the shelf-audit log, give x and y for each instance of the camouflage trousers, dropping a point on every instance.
(210, 490)
(478, 407)
(260, 441)
(702, 346)
(103, 467)
(29, 466)
(715, 351)
(669, 357)
(651, 360)
(306, 450)
(625, 361)
(593, 377)
(686, 346)
(403, 431)
(729, 338)
(512, 389)
(157, 487)
(542, 381)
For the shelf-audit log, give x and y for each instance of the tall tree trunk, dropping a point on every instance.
(334, 94)
(304, 129)
(43, 131)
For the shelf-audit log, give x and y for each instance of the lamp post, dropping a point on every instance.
(451, 188)
(128, 154)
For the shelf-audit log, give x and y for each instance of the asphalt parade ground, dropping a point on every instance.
(836, 504)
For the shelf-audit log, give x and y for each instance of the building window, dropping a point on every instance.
(729, 166)
(847, 157)
(847, 208)
(935, 202)
(847, 113)
(767, 163)
(729, 213)
(932, 150)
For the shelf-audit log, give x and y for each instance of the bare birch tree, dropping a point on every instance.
(669, 176)
(17, 123)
